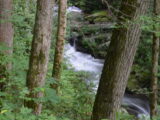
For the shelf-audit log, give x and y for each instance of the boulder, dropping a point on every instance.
(89, 38)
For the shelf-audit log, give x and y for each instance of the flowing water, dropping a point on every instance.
(137, 105)
(85, 62)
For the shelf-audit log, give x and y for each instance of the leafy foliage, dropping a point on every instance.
(76, 97)
(64, 107)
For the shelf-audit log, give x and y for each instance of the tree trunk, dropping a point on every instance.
(155, 56)
(6, 34)
(119, 60)
(39, 52)
(58, 57)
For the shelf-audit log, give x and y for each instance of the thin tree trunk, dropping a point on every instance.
(155, 56)
(39, 52)
(58, 57)
(6, 34)
(119, 60)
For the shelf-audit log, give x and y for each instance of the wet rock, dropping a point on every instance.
(91, 38)
(94, 38)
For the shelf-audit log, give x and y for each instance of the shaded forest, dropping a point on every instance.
(79, 60)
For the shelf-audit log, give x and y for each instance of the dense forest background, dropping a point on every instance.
(71, 98)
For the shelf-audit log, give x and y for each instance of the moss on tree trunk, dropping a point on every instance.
(59, 42)
(119, 60)
(39, 53)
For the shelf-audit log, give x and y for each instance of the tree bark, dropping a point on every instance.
(119, 60)
(39, 53)
(58, 57)
(6, 35)
(155, 57)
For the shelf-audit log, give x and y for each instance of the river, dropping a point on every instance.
(137, 105)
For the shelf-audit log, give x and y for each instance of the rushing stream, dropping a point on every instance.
(137, 105)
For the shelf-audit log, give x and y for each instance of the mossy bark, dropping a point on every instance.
(119, 60)
(39, 53)
(6, 35)
(155, 57)
(58, 57)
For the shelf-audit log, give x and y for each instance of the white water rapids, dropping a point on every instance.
(85, 62)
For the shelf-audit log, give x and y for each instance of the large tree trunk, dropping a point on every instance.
(6, 29)
(58, 57)
(6, 34)
(155, 56)
(119, 60)
(40, 52)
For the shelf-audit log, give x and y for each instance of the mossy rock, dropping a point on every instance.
(99, 16)
(102, 19)
(95, 29)
(91, 38)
